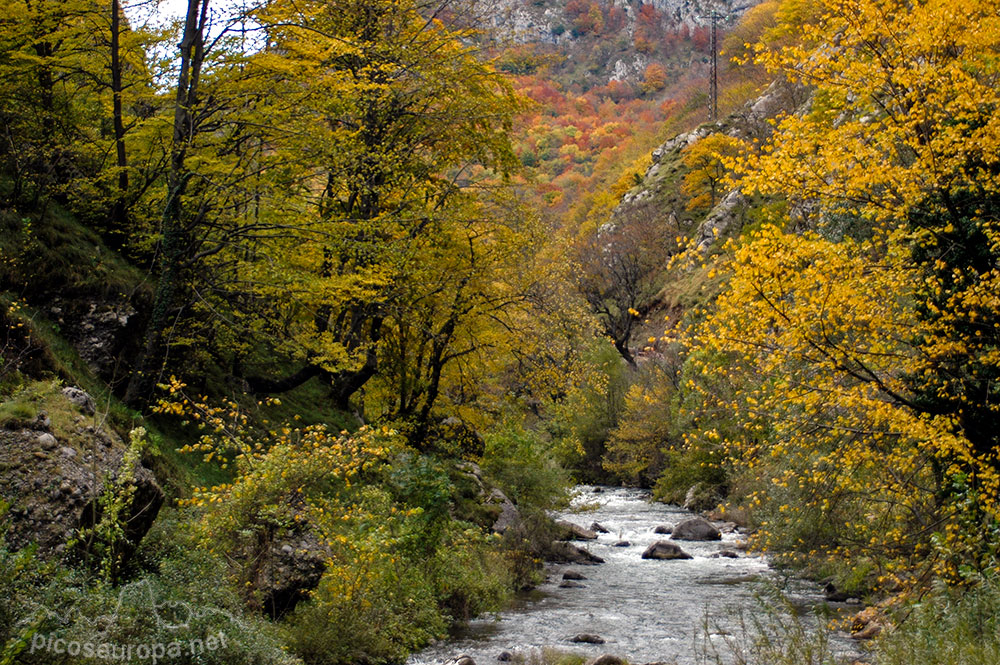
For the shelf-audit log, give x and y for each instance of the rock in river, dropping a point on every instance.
(570, 531)
(662, 549)
(696, 528)
(461, 660)
(563, 552)
(587, 638)
(606, 659)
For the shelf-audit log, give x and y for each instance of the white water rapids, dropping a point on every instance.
(646, 610)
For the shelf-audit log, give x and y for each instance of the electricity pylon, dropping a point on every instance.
(713, 84)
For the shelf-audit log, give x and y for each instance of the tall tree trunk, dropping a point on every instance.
(51, 168)
(172, 245)
(119, 209)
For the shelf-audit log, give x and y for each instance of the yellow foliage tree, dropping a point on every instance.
(654, 78)
(368, 224)
(393, 119)
(707, 170)
(865, 352)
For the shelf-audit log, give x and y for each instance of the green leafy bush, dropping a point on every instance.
(582, 421)
(524, 465)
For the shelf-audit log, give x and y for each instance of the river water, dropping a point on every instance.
(645, 610)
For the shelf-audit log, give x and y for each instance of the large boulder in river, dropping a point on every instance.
(562, 552)
(663, 549)
(570, 531)
(696, 528)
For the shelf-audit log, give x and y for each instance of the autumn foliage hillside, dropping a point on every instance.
(586, 140)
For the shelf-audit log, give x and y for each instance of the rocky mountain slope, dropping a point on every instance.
(597, 42)
(636, 288)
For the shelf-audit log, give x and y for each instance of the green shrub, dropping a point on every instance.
(662, 436)
(525, 467)
(171, 609)
(471, 575)
(582, 421)
(394, 581)
(646, 431)
(948, 626)
(685, 468)
(373, 607)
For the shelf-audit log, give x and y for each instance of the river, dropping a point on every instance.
(645, 610)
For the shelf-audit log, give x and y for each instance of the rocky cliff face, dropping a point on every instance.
(103, 330)
(538, 20)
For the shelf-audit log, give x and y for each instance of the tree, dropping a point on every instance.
(707, 171)
(654, 78)
(64, 65)
(42, 43)
(119, 212)
(865, 351)
(622, 271)
(813, 341)
(342, 182)
(396, 119)
(306, 176)
(174, 250)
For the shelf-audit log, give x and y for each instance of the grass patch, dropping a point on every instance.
(308, 404)
(48, 250)
(776, 631)
(548, 656)
(947, 626)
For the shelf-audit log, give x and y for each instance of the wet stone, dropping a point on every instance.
(587, 638)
